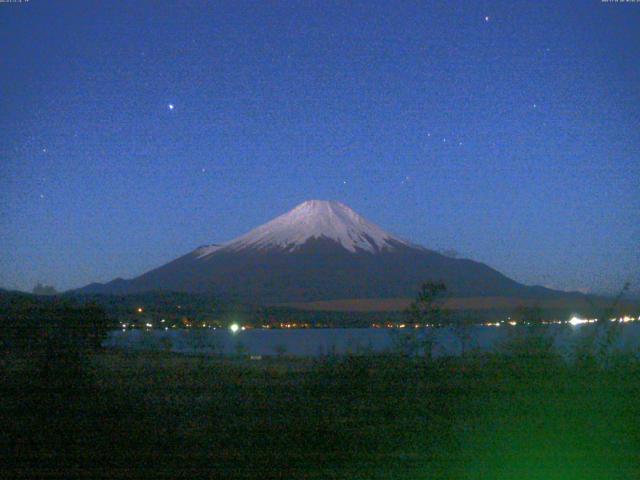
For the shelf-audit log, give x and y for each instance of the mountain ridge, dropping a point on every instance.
(320, 250)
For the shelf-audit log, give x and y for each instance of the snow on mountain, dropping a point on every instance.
(315, 219)
(205, 250)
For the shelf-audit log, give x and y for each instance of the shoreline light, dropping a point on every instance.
(577, 321)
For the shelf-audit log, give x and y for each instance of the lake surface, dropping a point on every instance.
(317, 342)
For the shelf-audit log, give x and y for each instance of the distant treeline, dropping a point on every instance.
(196, 309)
(193, 310)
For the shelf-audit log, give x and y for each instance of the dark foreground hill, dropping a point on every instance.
(132, 415)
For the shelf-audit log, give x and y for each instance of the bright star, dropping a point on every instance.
(486, 19)
(171, 106)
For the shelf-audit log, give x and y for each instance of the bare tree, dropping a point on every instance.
(425, 310)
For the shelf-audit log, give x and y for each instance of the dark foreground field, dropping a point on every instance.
(163, 415)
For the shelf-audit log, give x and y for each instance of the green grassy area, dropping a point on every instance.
(149, 415)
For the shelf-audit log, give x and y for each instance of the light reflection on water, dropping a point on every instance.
(316, 342)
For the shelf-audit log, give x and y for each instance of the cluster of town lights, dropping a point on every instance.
(235, 327)
(579, 321)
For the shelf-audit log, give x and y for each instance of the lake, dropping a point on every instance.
(318, 342)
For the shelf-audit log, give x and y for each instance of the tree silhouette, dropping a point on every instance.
(41, 289)
(427, 307)
(425, 310)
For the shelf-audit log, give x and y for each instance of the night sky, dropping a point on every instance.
(133, 132)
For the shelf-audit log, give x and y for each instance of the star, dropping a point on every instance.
(486, 18)
(535, 105)
(171, 106)
(44, 150)
(204, 170)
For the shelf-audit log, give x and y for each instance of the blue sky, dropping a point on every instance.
(508, 131)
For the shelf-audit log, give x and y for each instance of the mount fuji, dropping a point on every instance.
(320, 250)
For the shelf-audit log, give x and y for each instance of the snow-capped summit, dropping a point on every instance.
(315, 219)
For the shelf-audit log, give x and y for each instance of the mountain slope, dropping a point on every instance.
(320, 251)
